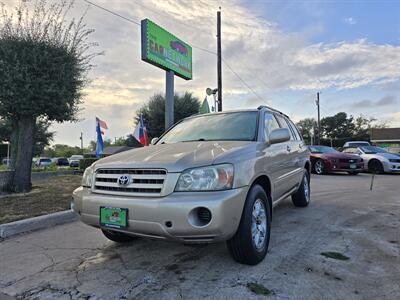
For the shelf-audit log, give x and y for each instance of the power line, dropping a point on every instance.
(113, 13)
(242, 80)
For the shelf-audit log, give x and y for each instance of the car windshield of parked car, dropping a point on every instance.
(45, 160)
(372, 150)
(238, 126)
(322, 149)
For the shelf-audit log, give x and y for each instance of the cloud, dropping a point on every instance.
(384, 101)
(267, 58)
(350, 21)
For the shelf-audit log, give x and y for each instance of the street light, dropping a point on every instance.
(213, 92)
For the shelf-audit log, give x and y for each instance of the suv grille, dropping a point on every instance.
(133, 182)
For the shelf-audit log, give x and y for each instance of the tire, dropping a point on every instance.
(353, 173)
(303, 195)
(319, 167)
(118, 237)
(250, 243)
(375, 166)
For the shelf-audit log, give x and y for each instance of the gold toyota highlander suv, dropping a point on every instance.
(210, 178)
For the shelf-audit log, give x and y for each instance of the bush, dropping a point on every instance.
(86, 162)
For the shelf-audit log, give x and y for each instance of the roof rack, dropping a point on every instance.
(270, 108)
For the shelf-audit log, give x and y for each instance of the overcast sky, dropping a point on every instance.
(285, 51)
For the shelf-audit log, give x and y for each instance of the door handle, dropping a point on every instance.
(288, 148)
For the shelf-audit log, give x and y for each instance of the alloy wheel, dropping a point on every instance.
(259, 225)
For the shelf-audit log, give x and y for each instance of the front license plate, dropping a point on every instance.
(113, 217)
(353, 166)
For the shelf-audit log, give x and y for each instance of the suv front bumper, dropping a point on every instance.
(150, 216)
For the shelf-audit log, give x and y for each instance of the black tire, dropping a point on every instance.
(303, 195)
(319, 167)
(118, 237)
(241, 246)
(353, 173)
(375, 166)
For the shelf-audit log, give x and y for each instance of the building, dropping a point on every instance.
(386, 138)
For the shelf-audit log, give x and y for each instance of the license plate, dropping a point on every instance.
(353, 166)
(113, 217)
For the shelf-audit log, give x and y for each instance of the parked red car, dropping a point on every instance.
(328, 160)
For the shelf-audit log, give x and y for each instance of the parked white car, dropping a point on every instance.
(43, 162)
(376, 159)
(356, 144)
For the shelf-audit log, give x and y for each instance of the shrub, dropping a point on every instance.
(86, 162)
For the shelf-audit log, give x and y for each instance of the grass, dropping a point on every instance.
(47, 196)
(335, 255)
(258, 289)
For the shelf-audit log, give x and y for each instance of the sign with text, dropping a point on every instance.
(166, 51)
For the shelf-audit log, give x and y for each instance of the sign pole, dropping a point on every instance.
(169, 99)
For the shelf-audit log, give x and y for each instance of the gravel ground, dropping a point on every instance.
(345, 245)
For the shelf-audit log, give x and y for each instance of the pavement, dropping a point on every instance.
(74, 261)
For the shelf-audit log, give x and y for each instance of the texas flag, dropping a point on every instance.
(141, 133)
(100, 124)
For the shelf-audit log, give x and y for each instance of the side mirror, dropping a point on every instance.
(154, 140)
(279, 136)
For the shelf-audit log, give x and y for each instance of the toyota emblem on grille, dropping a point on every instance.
(124, 180)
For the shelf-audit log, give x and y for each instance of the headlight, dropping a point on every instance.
(87, 178)
(212, 178)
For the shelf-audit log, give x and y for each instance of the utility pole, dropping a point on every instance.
(219, 60)
(81, 138)
(169, 99)
(319, 121)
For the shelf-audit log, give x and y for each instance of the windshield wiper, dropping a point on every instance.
(198, 140)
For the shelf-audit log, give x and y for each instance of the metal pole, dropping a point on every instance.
(8, 155)
(319, 121)
(219, 61)
(82, 142)
(169, 99)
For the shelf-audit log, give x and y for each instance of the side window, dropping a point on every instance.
(270, 124)
(295, 130)
(284, 124)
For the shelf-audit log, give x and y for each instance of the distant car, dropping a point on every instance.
(178, 46)
(61, 161)
(6, 161)
(74, 160)
(43, 162)
(328, 160)
(376, 159)
(356, 144)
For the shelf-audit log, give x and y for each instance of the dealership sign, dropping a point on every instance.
(166, 51)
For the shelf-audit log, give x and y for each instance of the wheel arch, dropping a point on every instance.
(265, 183)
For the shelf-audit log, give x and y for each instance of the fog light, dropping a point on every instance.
(200, 216)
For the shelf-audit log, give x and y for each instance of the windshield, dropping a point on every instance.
(372, 150)
(46, 160)
(240, 126)
(322, 149)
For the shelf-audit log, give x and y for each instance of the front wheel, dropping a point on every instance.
(118, 237)
(250, 243)
(303, 195)
(319, 167)
(375, 166)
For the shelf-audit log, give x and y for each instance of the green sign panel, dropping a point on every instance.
(166, 51)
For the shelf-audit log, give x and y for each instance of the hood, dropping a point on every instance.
(338, 155)
(174, 157)
(385, 155)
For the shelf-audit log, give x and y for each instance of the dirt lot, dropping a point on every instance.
(345, 245)
(47, 196)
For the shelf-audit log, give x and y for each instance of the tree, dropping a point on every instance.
(44, 61)
(154, 111)
(42, 136)
(338, 126)
(306, 128)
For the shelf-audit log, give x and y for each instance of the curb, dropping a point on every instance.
(36, 223)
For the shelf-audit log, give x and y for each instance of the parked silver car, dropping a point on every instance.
(213, 177)
(376, 159)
